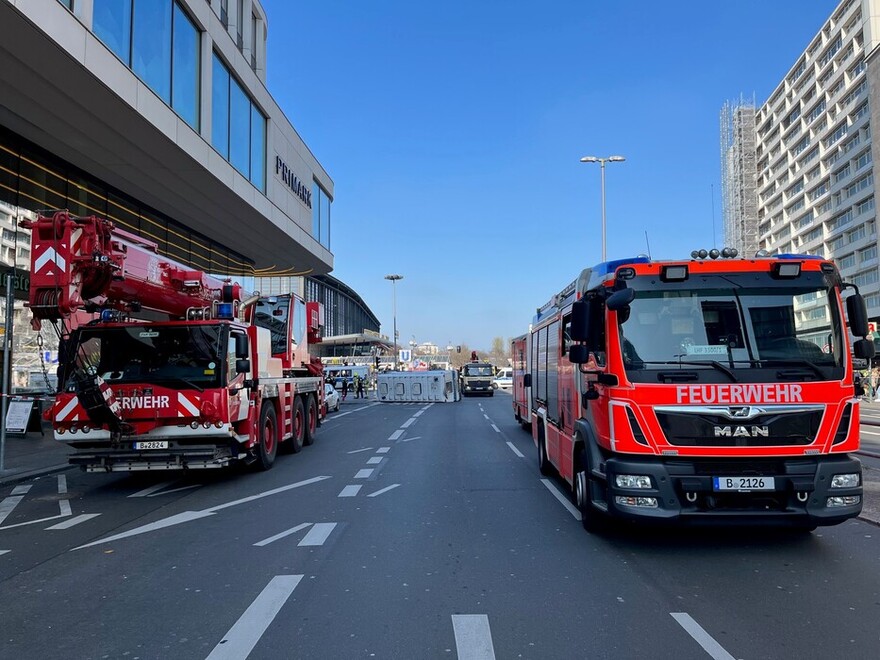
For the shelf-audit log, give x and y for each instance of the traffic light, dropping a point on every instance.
(377, 363)
(458, 349)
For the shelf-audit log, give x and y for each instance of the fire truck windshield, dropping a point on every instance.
(737, 321)
(184, 356)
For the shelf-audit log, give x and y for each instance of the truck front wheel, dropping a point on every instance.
(268, 430)
(592, 519)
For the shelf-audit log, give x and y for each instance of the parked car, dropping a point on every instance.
(331, 397)
(503, 379)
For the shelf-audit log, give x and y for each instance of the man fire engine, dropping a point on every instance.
(702, 390)
(212, 378)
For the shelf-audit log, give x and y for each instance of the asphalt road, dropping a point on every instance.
(407, 531)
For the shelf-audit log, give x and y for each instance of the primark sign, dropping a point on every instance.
(300, 189)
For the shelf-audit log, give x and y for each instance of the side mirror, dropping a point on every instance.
(578, 354)
(580, 319)
(863, 348)
(241, 346)
(620, 299)
(242, 366)
(857, 314)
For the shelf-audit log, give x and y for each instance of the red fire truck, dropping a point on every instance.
(711, 389)
(522, 404)
(203, 378)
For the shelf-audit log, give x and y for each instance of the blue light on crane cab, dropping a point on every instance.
(225, 311)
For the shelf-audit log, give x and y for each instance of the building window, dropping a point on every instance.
(67, 3)
(321, 215)
(111, 23)
(159, 42)
(185, 72)
(238, 129)
(254, 42)
(239, 26)
(224, 13)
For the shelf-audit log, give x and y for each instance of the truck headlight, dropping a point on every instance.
(633, 481)
(845, 480)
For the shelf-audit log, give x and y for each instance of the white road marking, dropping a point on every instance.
(562, 498)
(244, 635)
(408, 423)
(418, 437)
(396, 434)
(486, 416)
(364, 474)
(74, 521)
(152, 489)
(383, 450)
(384, 490)
(515, 450)
(703, 638)
(64, 508)
(349, 491)
(8, 505)
(497, 430)
(62, 484)
(358, 451)
(22, 490)
(375, 460)
(348, 412)
(174, 490)
(317, 534)
(36, 522)
(188, 516)
(3, 552)
(292, 530)
(418, 413)
(473, 638)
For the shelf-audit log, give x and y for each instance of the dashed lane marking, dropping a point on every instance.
(375, 460)
(64, 507)
(364, 474)
(515, 450)
(244, 635)
(383, 450)
(358, 451)
(384, 490)
(408, 423)
(497, 430)
(562, 498)
(22, 490)
(396, 434)
(62, 484)
(292, 530)
(317, 534)
(418, 437)
(74, 521)
(486, 416)
(704, 639)
(418, 413)
(473, 638)
(350, 491)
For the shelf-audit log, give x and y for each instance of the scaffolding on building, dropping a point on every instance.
(739, 176)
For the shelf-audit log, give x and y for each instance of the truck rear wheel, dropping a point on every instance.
(294, 443)
(311, 409)
(268, 430)
(544, 466)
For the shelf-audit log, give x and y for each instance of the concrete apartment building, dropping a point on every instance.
(799, 177)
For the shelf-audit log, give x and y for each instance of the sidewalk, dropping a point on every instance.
(33, 455)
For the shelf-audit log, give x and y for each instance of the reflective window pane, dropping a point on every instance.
(258, 149)
(325, 220)
(111, 23)
(185, 74)
(316, 211)
(220, 107)
(151, 45)
(239, 128)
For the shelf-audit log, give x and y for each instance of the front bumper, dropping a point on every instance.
(684, 490)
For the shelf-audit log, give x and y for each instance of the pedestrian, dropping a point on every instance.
(354, 383)
(360, 388)
(344, 388)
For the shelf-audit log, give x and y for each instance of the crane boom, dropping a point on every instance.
(89, 264)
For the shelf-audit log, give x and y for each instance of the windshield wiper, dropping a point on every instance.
(787, 362)
(712, 363)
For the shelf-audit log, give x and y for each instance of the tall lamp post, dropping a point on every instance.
(394, 279)
(602, 161)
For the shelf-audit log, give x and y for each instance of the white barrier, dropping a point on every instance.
(416, 386)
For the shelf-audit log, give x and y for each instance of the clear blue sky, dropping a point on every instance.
(453, 131)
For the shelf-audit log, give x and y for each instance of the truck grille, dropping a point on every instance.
(769, 428)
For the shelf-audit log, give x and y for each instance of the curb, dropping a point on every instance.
(16, 477)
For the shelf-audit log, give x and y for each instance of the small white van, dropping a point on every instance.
(503, 379)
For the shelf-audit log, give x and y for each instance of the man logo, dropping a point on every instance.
(742, 431)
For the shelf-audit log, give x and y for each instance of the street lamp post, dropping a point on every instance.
(394, 279)
(602, 161)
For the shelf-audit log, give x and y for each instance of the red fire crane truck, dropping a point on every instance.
(205, 377)
(716, 390)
